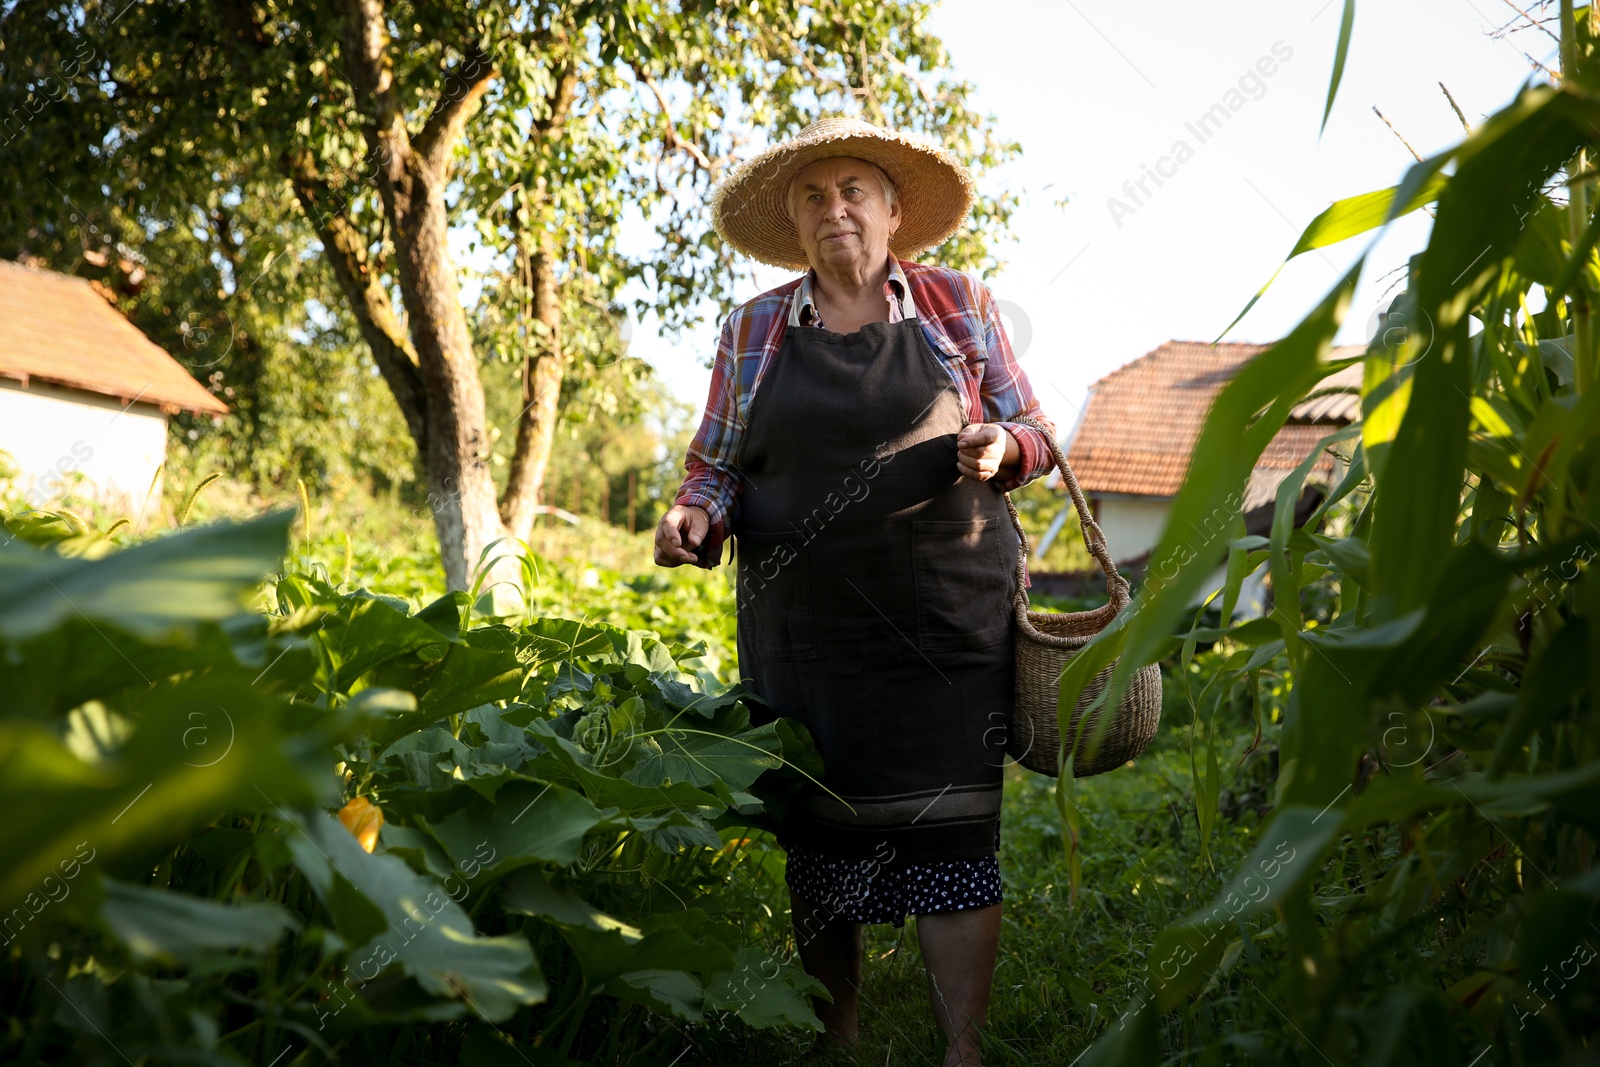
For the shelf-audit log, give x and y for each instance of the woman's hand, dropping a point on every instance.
(985, 450)
(681, 529)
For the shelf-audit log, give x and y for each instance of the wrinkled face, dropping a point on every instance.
(842, 211)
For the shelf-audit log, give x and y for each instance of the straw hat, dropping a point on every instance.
(935, 191)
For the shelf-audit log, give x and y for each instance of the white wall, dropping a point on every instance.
(1132, 528)
(53, 436)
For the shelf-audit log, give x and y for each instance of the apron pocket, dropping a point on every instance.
(964, 587)
(775, 615)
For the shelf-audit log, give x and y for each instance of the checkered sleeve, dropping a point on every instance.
(713, 481)
(1006, 395)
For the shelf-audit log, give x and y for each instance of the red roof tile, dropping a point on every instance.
(1142, 421)
(55, 328)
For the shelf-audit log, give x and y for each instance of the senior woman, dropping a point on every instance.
(855, 442)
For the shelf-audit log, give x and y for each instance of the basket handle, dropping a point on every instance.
(1117, 588)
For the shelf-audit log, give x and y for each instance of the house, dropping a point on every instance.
(1132, 443)
(84, 396)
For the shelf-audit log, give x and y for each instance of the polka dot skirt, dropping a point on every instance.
(883, 891)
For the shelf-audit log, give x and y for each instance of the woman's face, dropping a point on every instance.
(842, 212)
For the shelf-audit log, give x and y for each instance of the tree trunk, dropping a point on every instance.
(411, 176)
(546, 364)
(541, 395)
(345, 248)
(461, 492)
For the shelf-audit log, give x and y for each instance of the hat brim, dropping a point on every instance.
(935, 193)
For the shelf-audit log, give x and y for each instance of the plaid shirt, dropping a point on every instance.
(962, 326)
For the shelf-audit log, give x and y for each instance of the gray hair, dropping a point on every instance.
(890, 190)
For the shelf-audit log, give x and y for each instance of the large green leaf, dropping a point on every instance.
(1540, 255)
(198, 749)
(608, 954)
(646, 790)
(151, 589)
(177, 928)
(705, 758)
(667, 991)
(530, 891)
(1351, 671)
(420, 758)
(570, 641)
(487, 665)
(765, 991)
(1341, 52)
(527, 822)
(367, 631)
(651, 963)
(1350, 217)
(81, 660)
(426, 932)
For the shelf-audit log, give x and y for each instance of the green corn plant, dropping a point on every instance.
(1425, 890)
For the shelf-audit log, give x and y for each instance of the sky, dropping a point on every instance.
(1096, 93)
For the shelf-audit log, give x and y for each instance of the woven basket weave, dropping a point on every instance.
(1045, 641)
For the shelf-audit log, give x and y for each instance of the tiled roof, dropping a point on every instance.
(55, 328)
(1142, 421)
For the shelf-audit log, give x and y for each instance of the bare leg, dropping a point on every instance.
(830, 950)
(959, 949)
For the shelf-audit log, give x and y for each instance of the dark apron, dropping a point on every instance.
(875, 594)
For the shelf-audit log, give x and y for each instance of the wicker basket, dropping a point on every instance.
(1045, 641)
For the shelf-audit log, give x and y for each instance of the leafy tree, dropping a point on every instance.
(370, 136)
(216, 267)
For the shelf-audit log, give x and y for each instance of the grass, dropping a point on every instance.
(1067, 967)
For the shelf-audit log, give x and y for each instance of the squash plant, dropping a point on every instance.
(338, 828)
